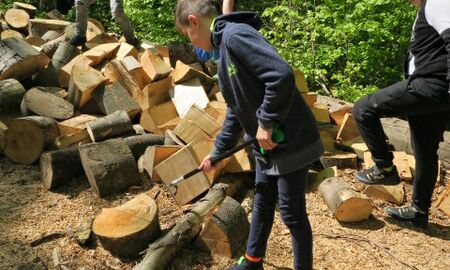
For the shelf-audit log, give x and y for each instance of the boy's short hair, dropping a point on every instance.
(200, 8)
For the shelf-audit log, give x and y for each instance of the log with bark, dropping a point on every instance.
(50, 47)
(160, 253)
(17, 19)
(30, 9)
(41, 103)
(337, 108)
(38, 27)
(60, 166)
(51, 35)
(83, 81)
(139, 143)
(116, 71)
(28, 137)
(20, 60)
(154, 66)
(346, 204)
(75, 124)
(110, 126)
(11, 94)
(128, 229)
(341, 160)
(10, 34)
(110, 167)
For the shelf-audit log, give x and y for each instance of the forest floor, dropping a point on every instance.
(28, 211)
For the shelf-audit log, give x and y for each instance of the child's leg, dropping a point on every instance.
(119, 15)
(263, 213)
(82, 13)
(291, 188)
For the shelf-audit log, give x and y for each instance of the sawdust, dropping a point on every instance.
(28, 211)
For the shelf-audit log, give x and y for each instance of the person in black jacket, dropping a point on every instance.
(260, 92)
(424, 99)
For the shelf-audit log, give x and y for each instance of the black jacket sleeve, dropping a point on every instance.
(229, 135)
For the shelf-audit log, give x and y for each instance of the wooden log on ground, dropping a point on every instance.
(397, 132)
(171, 139)
(155, 119)
(11, 94)
(125, 50)
(60, 166)
(19, 60)
(75, 124)
(37, 27)
(346, 204)
(204, 148)
(50, 47)
(341, 160)
(112, 125)
(83, 81)
(444, 150)
(154, 155)
(336, 107)
(183, 52)
(66, 71)
(17, 19)
(115, 97)
(321, 176)
(163, 251)
(348, 131)
(109, 166)
(135, 69)
(139, 143)
(394, 194)
(128, 229)
(321, 113)
(73, 139)
(443, 202)
(28, 137)
(155, 93)
(183, 72)
(310, 98)
(187, 93)
(154, 66)
(102, 52)
(54, 14)
(226, 231)
(30, 9)
(116, 71)
(46, 104)
(51, 35)
(3, 132)
(10, 34)
(94, 29)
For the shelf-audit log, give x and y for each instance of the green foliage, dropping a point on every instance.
(351, 47)
(7, 4)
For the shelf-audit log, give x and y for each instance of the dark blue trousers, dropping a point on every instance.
(290, 189)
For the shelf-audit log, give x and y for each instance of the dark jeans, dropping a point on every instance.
(291, 191)
(427, 118)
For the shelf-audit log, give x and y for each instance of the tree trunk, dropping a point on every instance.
(346, 204)
(109, 166)
(226, 231)
(112, 125)
(162, 252)
(19, 60)
(46, 104)
(28, 137)
(60, 166)
(128, 229)
(11, 94)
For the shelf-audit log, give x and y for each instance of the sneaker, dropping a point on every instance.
(375, 176)
(244, 264)
(135, 42)
(77, 40)
(409, 214)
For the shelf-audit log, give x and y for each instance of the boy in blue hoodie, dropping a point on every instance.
(259, 88)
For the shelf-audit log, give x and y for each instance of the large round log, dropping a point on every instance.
(28, 137)
(109, 166)
(51, 35)
(46, 104)
(60, 166)
(17, 18)
(128, 229)
(226, 231)
(19, 60)
(112, 125)
(346, 204)
(11, 93)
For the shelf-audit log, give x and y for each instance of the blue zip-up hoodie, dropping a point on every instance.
(259, 88)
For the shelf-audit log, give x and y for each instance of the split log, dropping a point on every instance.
(112, 125)
(204, 148)
(178, 164)
(115, 97)
(397, 132)
(139, 143)
(17, 19)
(101, 39)
(102, 52)
(54, 90)
(28, 137)
(115, 71)
(310, 98)
(154, 66)
(74, 139)
(348, 131)
(155, 93)
(217, 110)
(11, 94)
(360, 149)
(51, 35)
(444, 201)
(37, 27)
(125, 50)
(155, 118)
(162, 252)
(346, 204)
(336, 107)
(109, 166)
(183, 72)
(50, 47)
(394, 194)
(226, 231)
(188, 93)
(444, 150)
(135, 69)
(94, 29)
(19, 60)
(75, 124)
(183, 52)
(46, 104)
(83, 81)
(54, 14)
(240, 162)
(321, 113)
(30, 9)
(341, 160)
(3, 132)
(328, 134)
(66, 71)
(128, 229)
(10, 34)
(154, 155)
(171, 139)
(300, 81)
(60, 166)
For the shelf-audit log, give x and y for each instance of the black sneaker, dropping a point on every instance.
(375, 176)
(409, 214)
(77, 40)
(244, 264)
(135, 42)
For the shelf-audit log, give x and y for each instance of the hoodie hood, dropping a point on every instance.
(246, 17)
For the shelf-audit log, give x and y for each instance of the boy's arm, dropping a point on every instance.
(227, 6)
(229, 135)
(253, 51)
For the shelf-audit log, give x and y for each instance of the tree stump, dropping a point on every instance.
(19, 60)
(17, 19)
(46, 104)
(128, 229)
(112, 125)
(341, 160)
(11, 94)
(60, 166)
(226, 231)
(28, 137)
(109, 166)
(346, 204)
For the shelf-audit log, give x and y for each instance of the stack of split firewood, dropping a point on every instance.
(116, 114)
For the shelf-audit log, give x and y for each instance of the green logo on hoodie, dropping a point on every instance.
(232, 69)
